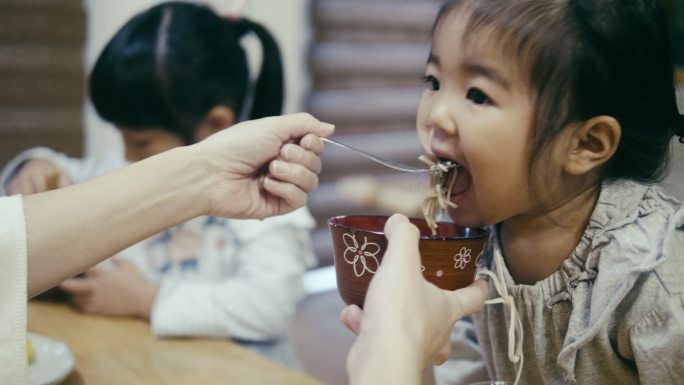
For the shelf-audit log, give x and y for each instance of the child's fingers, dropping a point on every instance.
(81, 301)
(120, 261)
(77, 286)
(63, 180)
(468, 300)
(86, 304)
(93, 272)
(16, 187)
(125, 265)
(38, 183)
(13, 187)
(22, 184)
(351, 317)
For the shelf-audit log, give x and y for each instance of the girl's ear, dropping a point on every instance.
(592, 144)
(218, 118)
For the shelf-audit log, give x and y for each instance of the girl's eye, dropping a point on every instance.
(431, 82)
(477, 96)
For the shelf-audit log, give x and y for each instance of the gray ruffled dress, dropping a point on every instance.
(612, 314)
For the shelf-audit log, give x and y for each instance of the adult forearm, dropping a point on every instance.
(73, 228)
(384, 359)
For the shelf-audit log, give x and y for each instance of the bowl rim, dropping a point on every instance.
(481, 232)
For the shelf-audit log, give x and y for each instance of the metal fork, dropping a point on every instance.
(385, 162)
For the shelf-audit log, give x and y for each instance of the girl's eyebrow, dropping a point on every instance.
(478, 69)
(475, 68)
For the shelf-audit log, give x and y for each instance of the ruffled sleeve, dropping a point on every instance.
(656, 340)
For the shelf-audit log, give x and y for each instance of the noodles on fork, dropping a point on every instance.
(441, 180)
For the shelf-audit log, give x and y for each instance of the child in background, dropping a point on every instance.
(676, 9)
(561, 114)
(172, 76)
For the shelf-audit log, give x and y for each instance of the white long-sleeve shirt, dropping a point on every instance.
(13, 281)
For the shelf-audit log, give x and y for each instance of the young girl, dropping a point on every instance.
(561, 114)
(173, 75)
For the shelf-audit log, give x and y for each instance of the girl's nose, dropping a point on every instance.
(441, 116)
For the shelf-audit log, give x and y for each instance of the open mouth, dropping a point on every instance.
(457, 179)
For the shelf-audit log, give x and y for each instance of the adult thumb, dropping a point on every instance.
(469, 299)
(402, 237)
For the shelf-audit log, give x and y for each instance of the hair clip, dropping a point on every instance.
(238, 10)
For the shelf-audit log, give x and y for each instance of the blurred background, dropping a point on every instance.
(354, 63)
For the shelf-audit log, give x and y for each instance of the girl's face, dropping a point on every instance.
(478, 111)
(145, 143)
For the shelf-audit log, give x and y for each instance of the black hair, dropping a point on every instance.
(170, 65)
(587, 58)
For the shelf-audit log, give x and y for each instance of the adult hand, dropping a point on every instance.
(120, 290)
(406, 321)
(264, 167)
(254, 169)
(38, 175)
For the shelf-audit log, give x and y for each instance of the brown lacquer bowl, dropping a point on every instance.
(449, 259)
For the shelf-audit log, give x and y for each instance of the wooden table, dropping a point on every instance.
(124, 351)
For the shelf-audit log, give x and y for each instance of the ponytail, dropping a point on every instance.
(268, 90)
(170, 65)
(680, 130)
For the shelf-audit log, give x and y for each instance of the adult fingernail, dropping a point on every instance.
(280, 167)
(327, 126)
(292, 152)
(306, 142)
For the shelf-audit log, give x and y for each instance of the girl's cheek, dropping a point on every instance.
(423, 136)
(424, 142)
(422, 118)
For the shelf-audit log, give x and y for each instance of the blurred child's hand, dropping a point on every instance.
(121, 290)
(264, 167)
(38, 175)
(403, 311)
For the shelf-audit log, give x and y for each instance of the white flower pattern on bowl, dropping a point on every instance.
(462, 258)
(479, 256)
(362, 257)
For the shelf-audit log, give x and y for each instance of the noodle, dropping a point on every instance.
(441, 180)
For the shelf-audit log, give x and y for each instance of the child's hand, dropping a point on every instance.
(264, 167)
(121, 290)
(38, 175)
(403, 311)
